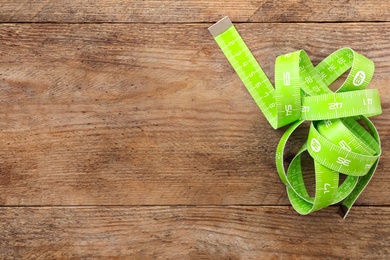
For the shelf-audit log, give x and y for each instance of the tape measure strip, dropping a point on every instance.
(302, 93)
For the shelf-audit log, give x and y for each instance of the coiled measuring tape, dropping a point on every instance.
(337, 142)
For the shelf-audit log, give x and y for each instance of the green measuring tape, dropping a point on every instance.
(337, 142)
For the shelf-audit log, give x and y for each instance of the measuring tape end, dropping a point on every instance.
(220, 26)
(343, 211)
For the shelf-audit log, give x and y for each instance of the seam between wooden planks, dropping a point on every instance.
(177, 205)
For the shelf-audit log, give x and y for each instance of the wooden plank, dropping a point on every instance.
(152, 114)
(168, 11)
(192, 233)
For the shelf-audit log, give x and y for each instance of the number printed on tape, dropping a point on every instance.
(315, 145)
(343, 161)
(359, 78)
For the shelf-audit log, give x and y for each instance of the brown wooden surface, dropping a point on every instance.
(103, 125)
(192, 233)
(168, 11)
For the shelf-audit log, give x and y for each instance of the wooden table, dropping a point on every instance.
(125, 133)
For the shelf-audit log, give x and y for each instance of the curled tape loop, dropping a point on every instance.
(337, 142)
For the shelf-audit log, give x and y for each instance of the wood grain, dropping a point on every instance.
(191, 233)
(168, 11)
(125, 133)
(153, 114)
